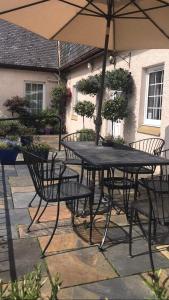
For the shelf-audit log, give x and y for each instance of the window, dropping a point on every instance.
(154, 94)
(75, 97)
(34, 92)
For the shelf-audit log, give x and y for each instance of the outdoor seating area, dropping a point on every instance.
(84, 149)
(96, 226)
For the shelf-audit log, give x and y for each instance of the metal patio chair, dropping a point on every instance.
(78, 136)
(50, 191)
(155, 207)
(152, 146)
(118, 202)
(68, 173)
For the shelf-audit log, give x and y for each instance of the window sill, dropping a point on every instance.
(74, 117)
(151, 130)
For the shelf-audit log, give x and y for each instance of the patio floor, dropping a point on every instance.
(86, 272)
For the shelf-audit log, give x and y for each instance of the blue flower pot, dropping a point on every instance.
(8, 156)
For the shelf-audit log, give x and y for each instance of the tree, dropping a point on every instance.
(17, 105)
(115, 109)
(60, 95)
(116, 80)
(84, 109)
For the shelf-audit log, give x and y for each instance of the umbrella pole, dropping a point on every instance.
(98, 121)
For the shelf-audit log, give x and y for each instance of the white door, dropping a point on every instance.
(117, 128)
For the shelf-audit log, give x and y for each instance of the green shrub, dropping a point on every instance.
(84, 109)
(86, 135)
(29, 287)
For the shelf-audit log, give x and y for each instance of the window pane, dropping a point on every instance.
(155, 93)
(34, 93)
(152, 78)
(150, 101)
(151, 91)
(159, 76)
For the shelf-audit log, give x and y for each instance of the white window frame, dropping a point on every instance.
(75, 94)
(147, 121)
(44, 90)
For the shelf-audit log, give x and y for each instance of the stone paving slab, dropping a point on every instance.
(130, 288)
(115, 234)
(62, 242)
(118, 256)
(42, 229)
(50, 213)
(19, 257)
(7, 229)
(80, 266)
(20, 181)
(19, 216)
(22, 189)
(22, 200)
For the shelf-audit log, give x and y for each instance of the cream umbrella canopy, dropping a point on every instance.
(109, 24)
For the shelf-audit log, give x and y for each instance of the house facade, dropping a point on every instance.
(148, 105)
(28, 67)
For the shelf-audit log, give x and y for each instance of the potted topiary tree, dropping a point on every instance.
(114, 110)
(84, 109)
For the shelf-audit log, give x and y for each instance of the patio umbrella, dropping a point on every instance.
(110, 24)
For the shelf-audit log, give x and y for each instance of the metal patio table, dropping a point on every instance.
(120, 156)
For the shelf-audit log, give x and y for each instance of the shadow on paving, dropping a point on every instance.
(16, 257)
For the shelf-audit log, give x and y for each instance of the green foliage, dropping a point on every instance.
(14, 128)
(118, 139)
(159, 290)
(59, 94)
(119, 80)
(17, 105)
(86, 135)
(115, 109)
(89, 86)
(85, 109)
(4, 145)
(29, 287)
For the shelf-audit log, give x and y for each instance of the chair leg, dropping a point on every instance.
(37, 221)
(91, 200)
(106, 225)
(30, 204)
(40, 201)
(82, 174)
(54, 229)
(150, 244)
(130, 232)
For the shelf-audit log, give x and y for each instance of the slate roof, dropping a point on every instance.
(20, 48)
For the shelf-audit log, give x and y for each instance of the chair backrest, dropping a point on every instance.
(43, 175)
(151, 145)
(164, 170)
(158, 194)
(79, 136)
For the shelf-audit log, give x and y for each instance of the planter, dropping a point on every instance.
(108, 143)
(8, 156)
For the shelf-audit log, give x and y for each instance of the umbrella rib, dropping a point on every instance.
(78, 13)
(162, 1)
(120, 9)
(23, 6)
(95, 6)
(146, 9)
(151, 20)
(78, 6)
